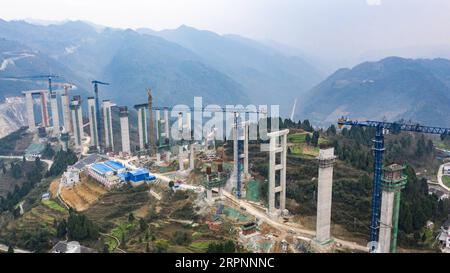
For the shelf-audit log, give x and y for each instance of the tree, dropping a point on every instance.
(161, 246)
(315, 139)
(61, 161)
(147, 248)
(229, 247)
(61, 229)
(130, 217)
(124, 243)
(308, 139)
(182, 237)
(16, 171)
(331, 130)
(10, 249)
(79, 227)
(105, 248)
(142, 225)
(171, 184)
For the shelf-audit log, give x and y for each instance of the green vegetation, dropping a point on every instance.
(416, 207)
(446, 180)
(298, 137)
(80, 228)
(181, 237)
(226, 247)
(32, 177)
(61, 161)
(53, 205)
(9, 143)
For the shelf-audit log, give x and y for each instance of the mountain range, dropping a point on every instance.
(177, 64)
(392, 89)
(181, 63)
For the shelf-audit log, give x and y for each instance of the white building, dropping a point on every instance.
(70, 177)
(444, 236)
(446, 170)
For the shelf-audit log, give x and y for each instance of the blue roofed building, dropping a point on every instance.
(116, 166)
(137, 177)
(104, 174)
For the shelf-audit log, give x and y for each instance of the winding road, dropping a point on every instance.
(47, 161)
(439, 176)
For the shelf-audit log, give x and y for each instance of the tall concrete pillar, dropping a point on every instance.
(235, 150)
(324, 195)
(180, 123)
(55, 114)
(387, 209)
(277, 147)
(77, 118)
(142, 127)
(245, 155)
(158, 129)
(392, 182)
(44, 110)
(209, 195)
(241, 133)
(125, 130)
(166, 123)
(180, 158)
(66, 113)
(107, 120)
(188, 125)
(30, 110)
(93, 122)
(192, 158)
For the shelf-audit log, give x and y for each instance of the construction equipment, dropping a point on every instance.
(378, 149)
(97, 106)
(45, 118)
(37, 77)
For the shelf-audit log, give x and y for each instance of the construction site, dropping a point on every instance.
(204, 186)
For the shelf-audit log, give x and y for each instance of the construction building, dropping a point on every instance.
(324, 195)
(277, 189)
(142, 125)
(66, 113)
(92, 109)
(137, 177)
(34, 150)
(30, 109)
(106, 173)
(162, 129)
(44, 109)
(107, 122)
(393, 181)
(65, 141)
(214, 180)
(77, 118)
(124, 130)
(55, 114)
(248, 228)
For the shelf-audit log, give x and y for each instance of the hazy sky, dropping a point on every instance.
(339, 29)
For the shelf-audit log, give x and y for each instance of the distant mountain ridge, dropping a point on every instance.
(392, 89)
(223, 69)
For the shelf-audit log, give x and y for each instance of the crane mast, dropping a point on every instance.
(378, 149)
